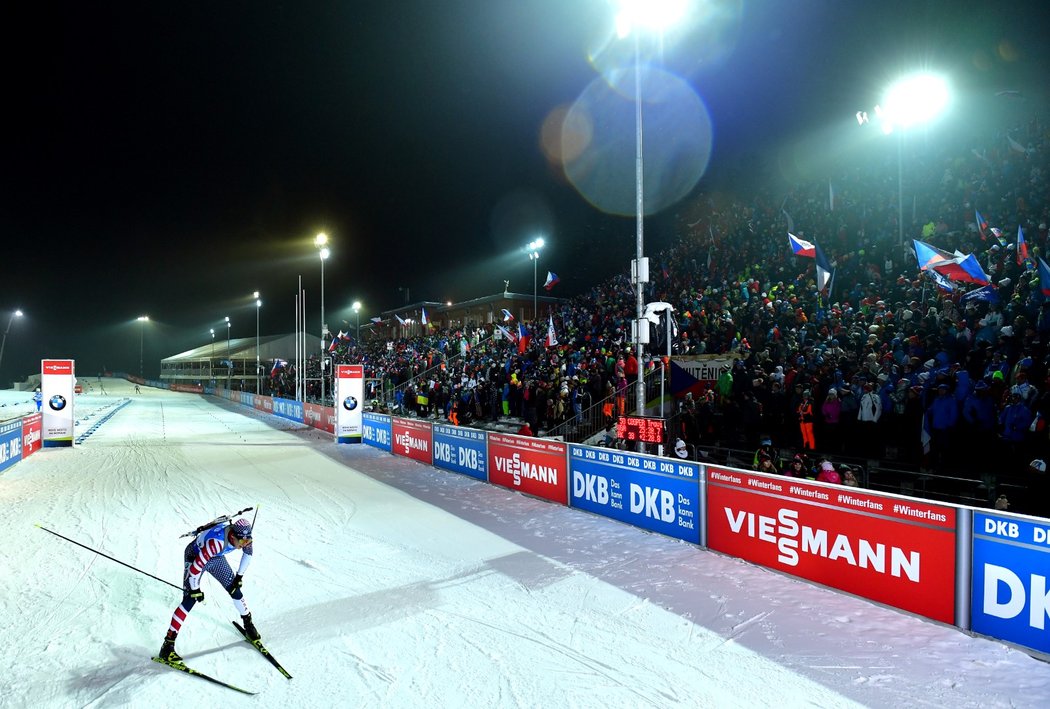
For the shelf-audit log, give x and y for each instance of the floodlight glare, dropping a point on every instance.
(914, 99)
(654, 15)
(321, 239)
(325, 253)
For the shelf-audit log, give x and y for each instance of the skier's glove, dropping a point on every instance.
(237, 580)
(196, 594)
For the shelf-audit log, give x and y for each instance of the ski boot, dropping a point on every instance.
(167, 650)
(249, 627)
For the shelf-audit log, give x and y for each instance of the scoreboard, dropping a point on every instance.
(640, 428)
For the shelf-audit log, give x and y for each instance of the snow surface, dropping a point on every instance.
(380, 582)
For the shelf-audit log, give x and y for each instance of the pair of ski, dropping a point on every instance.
(257, 644)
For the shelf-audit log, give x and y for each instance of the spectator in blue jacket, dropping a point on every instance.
(943, 415)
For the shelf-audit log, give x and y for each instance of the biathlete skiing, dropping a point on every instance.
(207, 552)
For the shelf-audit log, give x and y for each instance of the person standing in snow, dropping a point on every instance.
(207, 552)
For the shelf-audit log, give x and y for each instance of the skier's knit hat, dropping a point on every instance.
(241, 529)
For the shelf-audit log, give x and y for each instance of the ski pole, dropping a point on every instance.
(109, 557)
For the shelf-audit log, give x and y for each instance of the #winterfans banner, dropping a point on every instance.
(349, 402)
(892, 550)
(56, 388)
(1011, 579)
(535, 466)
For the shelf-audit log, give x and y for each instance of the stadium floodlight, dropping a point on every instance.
(914, 99)
(3, 342)
(533, 250)
(142, 319)
(633, 18)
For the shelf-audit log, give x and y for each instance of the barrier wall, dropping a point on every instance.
(969, 568)
(10, 443)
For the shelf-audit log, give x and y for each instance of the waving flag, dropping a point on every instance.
(982, 224)
(552, 280)
(823, 268)
(507, 315)
(1044, 278)
(507, 333)
(1015, 146)
(1022, 247)
(986, 294)
(376, 319)
(928, 255)
(552, 339)
(400, 320)
(941, 282)
(423, 317)
(278, 364)
(336, 340)
(523, 338)
(801, 247)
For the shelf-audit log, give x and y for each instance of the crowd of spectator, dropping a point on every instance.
(881, 364)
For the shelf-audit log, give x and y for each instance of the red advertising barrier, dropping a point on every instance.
(31, 434)
(319, 417)
(896, 551)
(263, 403)
(413, 439)
(535, 466)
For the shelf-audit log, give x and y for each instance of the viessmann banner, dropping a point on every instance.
(56, 387)
(532, 465)
(896, 551)
(1011, 565)
(413, 439)
(658, 494)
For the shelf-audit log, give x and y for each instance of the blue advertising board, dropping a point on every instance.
(10, 443)
(461, 450)
(288, 409)
(376, 430)
(658, 494)
(1011, 565)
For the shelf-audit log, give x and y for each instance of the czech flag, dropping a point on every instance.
(523, 338)
(336, 340)
(1022, 247)
(507, 315)
(278, 364)
(823, 268)
(1044, 278)
(982, 224)
(800, 247)
(928, 255)
(552, 280)
(423, 318)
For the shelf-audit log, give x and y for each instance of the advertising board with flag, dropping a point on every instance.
(552, 280)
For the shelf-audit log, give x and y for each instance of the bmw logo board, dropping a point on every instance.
(57, 386)
(350, 403)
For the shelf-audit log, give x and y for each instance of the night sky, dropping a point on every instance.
(171, 158)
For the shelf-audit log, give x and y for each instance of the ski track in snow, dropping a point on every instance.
(380, 582)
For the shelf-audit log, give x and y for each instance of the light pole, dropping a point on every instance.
(3, 343)
(912, 100)
(258, 306)
(229, 362)
(533, 248)
(357, 319)
(143, 319)
(656, 16)
(321, 241)
(211, 374)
